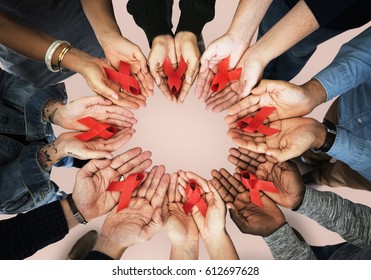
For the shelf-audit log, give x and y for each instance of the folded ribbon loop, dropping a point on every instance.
(96, 129)
(126, 188)
(127, 82)
(223, 77)
(250, 181)
(256, 123)
(174, 77)
(194, 198)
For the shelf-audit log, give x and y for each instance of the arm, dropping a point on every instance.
(151, 16)
(285, 245)
(45, 225)
(352, 221)
(350, 68)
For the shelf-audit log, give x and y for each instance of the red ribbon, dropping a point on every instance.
(174, 76)
(96, 129)
(250, 181)
(194, 198)
(223, 77)
(126, 188)
(127, 82)
(256, 123)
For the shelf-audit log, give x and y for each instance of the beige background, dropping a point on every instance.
(190, 138)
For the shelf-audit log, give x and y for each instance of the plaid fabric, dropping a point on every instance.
(25, 234)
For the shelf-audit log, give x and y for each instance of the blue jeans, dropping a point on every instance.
(289, 64)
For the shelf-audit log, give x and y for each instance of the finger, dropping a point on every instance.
(160, 193)
(207, 92)
(182, 178)
(160, 171)
(223, 179)
(234, 182)
(92, 167)
(172, 188)
(201, 181)
(222, 191)
(125, 157)
(94, 154)
(201, 80)
(245, 103)
(131, 166)
(190, 76)
(147, 183)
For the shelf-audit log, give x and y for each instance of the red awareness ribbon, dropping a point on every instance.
(174, 76)
(251, 125)
(96, 129)
(127, 82)
(250, 181)
(194, 198)
(223, 77)
(126, 188)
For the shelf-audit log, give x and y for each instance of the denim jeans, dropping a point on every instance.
(24, 184)
(289, 64)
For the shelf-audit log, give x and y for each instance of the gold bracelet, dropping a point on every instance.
(61, 56)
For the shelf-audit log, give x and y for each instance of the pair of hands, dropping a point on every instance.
(241, 55)
(184, 44)
(116, 49)
(248, 217)
(297, 134)
(67, 116)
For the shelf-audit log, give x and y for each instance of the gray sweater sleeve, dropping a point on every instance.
(285, 245)
(352, 221)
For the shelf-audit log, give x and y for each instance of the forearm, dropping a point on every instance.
(220, 246)
(50, 154)
(285, 245)
(291, 29)
(350, 68)
(350, 220)
(247, 18)
(187, 250)
(102, 18)
(316, 93)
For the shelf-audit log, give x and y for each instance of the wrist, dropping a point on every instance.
(184, 250)
(107, 246)
(320, 132)
(326, 137)
(49, 155)
(51, 112)
(70, 219)
(315, 92)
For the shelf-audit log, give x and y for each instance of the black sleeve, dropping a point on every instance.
(96, 255)
(195, 14)
(25, 234)
(153, 16)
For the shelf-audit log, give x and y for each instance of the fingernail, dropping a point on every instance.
(228, 207)
(189, 80)
(115, 96)
(158, 81)
(109, 156)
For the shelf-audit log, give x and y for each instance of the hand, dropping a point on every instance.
(284, 175)
(142, 218)
(248, 217)
(89, 193)
(118, 48)
(214, 221)
(69, 145)
(252, 64)
(222, 100)
(179, 226)
(162, 46)
(214, 53)
(289, 100)
(97, 107)
(186, 46)
(295, 137)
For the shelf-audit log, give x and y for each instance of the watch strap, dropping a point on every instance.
(75, 211)
(330, 137)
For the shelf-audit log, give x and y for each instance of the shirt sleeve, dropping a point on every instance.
(25, 234)
(153, 16)
(326, 11)
(96, 255)
(285, 245)
(350, 68)
(352, 221)
(352, 149)
(195, 14)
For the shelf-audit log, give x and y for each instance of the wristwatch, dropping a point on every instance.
(330, 137)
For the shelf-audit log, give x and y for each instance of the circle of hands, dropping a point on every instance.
(158, 202)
